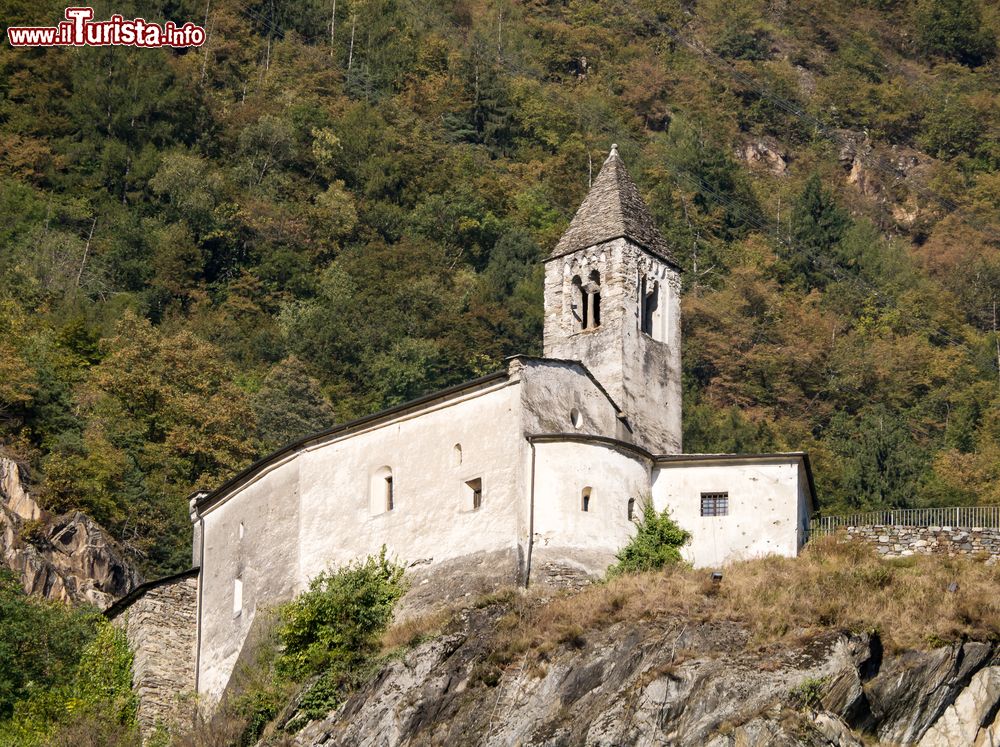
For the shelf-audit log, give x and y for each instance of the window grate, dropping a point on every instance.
(715, 504)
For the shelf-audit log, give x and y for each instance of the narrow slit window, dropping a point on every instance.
(381, 495)
(580, 310)
(237, 596)
(631, 509)
(474, 494)
(715, 504)
(585, 500)
(650, 302)
(594, 290)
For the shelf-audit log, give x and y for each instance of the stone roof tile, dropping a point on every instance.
(613, 209)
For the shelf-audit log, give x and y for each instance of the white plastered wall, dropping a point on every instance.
(562, 530)
(310, 511)
(431, 520)
(766, 501)
(265, 560)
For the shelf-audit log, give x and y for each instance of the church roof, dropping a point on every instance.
(613, 209)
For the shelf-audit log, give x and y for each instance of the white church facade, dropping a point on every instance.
(534, 474)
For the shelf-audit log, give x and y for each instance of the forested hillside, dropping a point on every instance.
(337, 205)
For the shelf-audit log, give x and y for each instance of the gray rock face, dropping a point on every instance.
(886, 175)
(971, 719)
(68, 558)
(913, 690)
(15, 492)
(670, 683)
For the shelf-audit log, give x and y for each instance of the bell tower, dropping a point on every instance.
(612, 302)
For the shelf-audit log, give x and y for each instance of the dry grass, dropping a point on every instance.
(412, 630)
(834, 584)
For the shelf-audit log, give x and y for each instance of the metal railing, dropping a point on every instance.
(961, 517)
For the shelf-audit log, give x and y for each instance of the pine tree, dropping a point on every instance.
(818, 224)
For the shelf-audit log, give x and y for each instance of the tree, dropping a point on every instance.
(40, 642)
(953, 29)
(162, 417)
(881, 461)
(289, 405)
(18, 378)
(817, 225)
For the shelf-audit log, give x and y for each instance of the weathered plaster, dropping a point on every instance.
(766, 506)
(565, 535)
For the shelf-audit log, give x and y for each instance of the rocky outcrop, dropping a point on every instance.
(14, 491)
(886, 175)
(972, 718)
(670, 683)
(68, 558)
(764, 153)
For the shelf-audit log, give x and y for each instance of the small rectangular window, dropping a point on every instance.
(715, 504)
(474, 494)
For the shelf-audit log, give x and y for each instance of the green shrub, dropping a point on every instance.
(656, 543)
(953, 29)
(809, 693)
(329, 634)
(97, 703)
(40, 642)
(338, 621)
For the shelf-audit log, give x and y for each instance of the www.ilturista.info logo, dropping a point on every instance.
(79, 31)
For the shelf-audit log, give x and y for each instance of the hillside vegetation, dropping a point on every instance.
(206, 253)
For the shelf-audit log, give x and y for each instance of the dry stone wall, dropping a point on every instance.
(160, 622)
(902, 541)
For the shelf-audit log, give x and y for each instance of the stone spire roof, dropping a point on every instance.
(613, 209)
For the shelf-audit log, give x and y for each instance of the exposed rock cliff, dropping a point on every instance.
(682, 683)
(69, 557)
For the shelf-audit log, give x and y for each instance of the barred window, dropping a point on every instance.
(714, 504)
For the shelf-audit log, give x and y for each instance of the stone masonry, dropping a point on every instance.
(903, 541)
(160, 622)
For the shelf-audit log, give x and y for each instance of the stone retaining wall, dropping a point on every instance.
(902, 541)
(160, 622)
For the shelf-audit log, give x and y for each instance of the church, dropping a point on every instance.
(534, 474)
